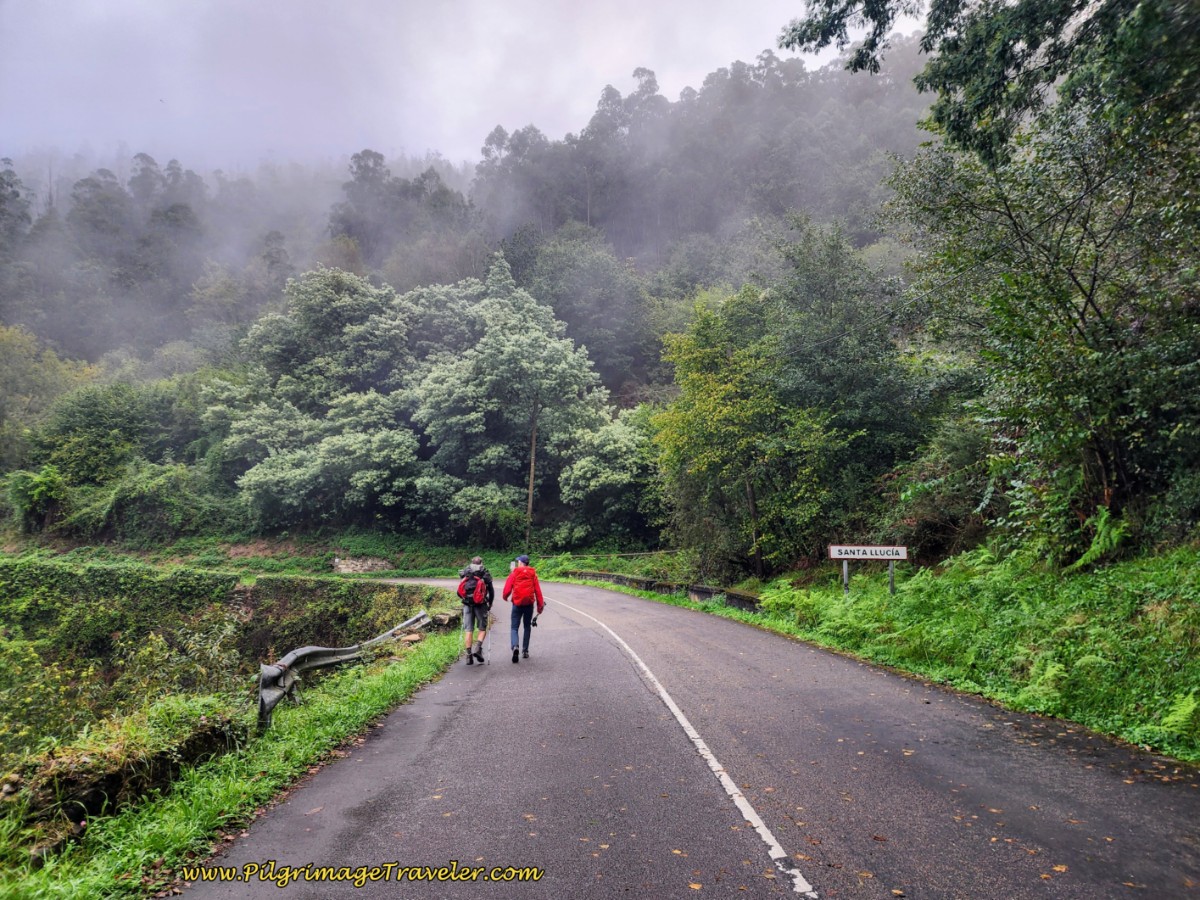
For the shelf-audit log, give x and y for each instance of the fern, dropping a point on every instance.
(1182, 718)
(1110, 532)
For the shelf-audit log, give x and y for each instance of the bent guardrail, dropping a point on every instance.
(279, 680)
(697, 592)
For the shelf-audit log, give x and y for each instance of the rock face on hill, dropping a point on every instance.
(359, 565)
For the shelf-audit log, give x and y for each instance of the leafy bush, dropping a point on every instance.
(37, 499)
(150, 504)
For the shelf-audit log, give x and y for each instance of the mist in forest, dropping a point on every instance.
(168, 168)
(227, 84)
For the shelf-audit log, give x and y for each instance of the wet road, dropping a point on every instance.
(650, 751)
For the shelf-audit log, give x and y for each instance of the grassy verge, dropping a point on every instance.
(313, 553)
(137, 850)
(1116, 650)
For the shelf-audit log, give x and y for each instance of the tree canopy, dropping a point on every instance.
(993, 64)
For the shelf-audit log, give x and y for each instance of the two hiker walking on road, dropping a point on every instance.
(523, 589)
(478, 594)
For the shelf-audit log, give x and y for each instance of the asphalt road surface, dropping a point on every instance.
(649, 751)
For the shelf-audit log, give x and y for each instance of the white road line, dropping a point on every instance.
(776, 851)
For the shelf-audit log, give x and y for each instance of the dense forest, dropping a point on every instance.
(773, 313)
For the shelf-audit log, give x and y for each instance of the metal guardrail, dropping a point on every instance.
(279, 680)
(697, 592)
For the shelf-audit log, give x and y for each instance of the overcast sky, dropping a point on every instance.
(225, 82)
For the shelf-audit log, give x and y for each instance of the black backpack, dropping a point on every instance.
(473, 589)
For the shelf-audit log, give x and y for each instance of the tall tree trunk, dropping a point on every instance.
(532, 461)
(758, 559)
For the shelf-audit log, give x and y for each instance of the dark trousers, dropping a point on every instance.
(521, 614)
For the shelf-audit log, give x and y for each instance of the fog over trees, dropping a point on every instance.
(769, 313)
(132, 255)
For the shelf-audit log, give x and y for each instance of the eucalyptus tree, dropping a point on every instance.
(15, 219)
(102, 216)
(382, 211)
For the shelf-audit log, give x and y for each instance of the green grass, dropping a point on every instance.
(283, 554)
(155, 837)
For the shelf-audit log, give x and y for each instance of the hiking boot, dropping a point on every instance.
(516, 653)
(479, 654)
(525, 653)
(470, 659)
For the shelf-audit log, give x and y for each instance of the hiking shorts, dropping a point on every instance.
(475, 616)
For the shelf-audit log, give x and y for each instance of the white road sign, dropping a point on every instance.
(861, 551)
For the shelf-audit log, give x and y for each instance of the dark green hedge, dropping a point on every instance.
(82, 608)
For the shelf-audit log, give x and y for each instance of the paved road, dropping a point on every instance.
(866, 783)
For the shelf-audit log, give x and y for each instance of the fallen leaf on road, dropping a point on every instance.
(695, 886)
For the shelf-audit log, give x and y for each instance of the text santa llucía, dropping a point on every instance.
(861, 551)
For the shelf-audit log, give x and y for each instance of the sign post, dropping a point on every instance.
(847, 552)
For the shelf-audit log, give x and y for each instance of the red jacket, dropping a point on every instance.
(523, 587)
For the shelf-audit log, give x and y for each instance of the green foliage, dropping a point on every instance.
(597, 296)
(609, 483)
(79, 607)
(85, 642)
(149, 504)
(39, 699)
(788, 409)
(31, 378)
(939, 504)
(994, 64)
(177, 826)
(421, 411)
(1069, 278)
(37, 499)
(94, 432)
(1183, 717)
(293, 612)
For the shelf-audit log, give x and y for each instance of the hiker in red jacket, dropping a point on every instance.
(523, 589)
